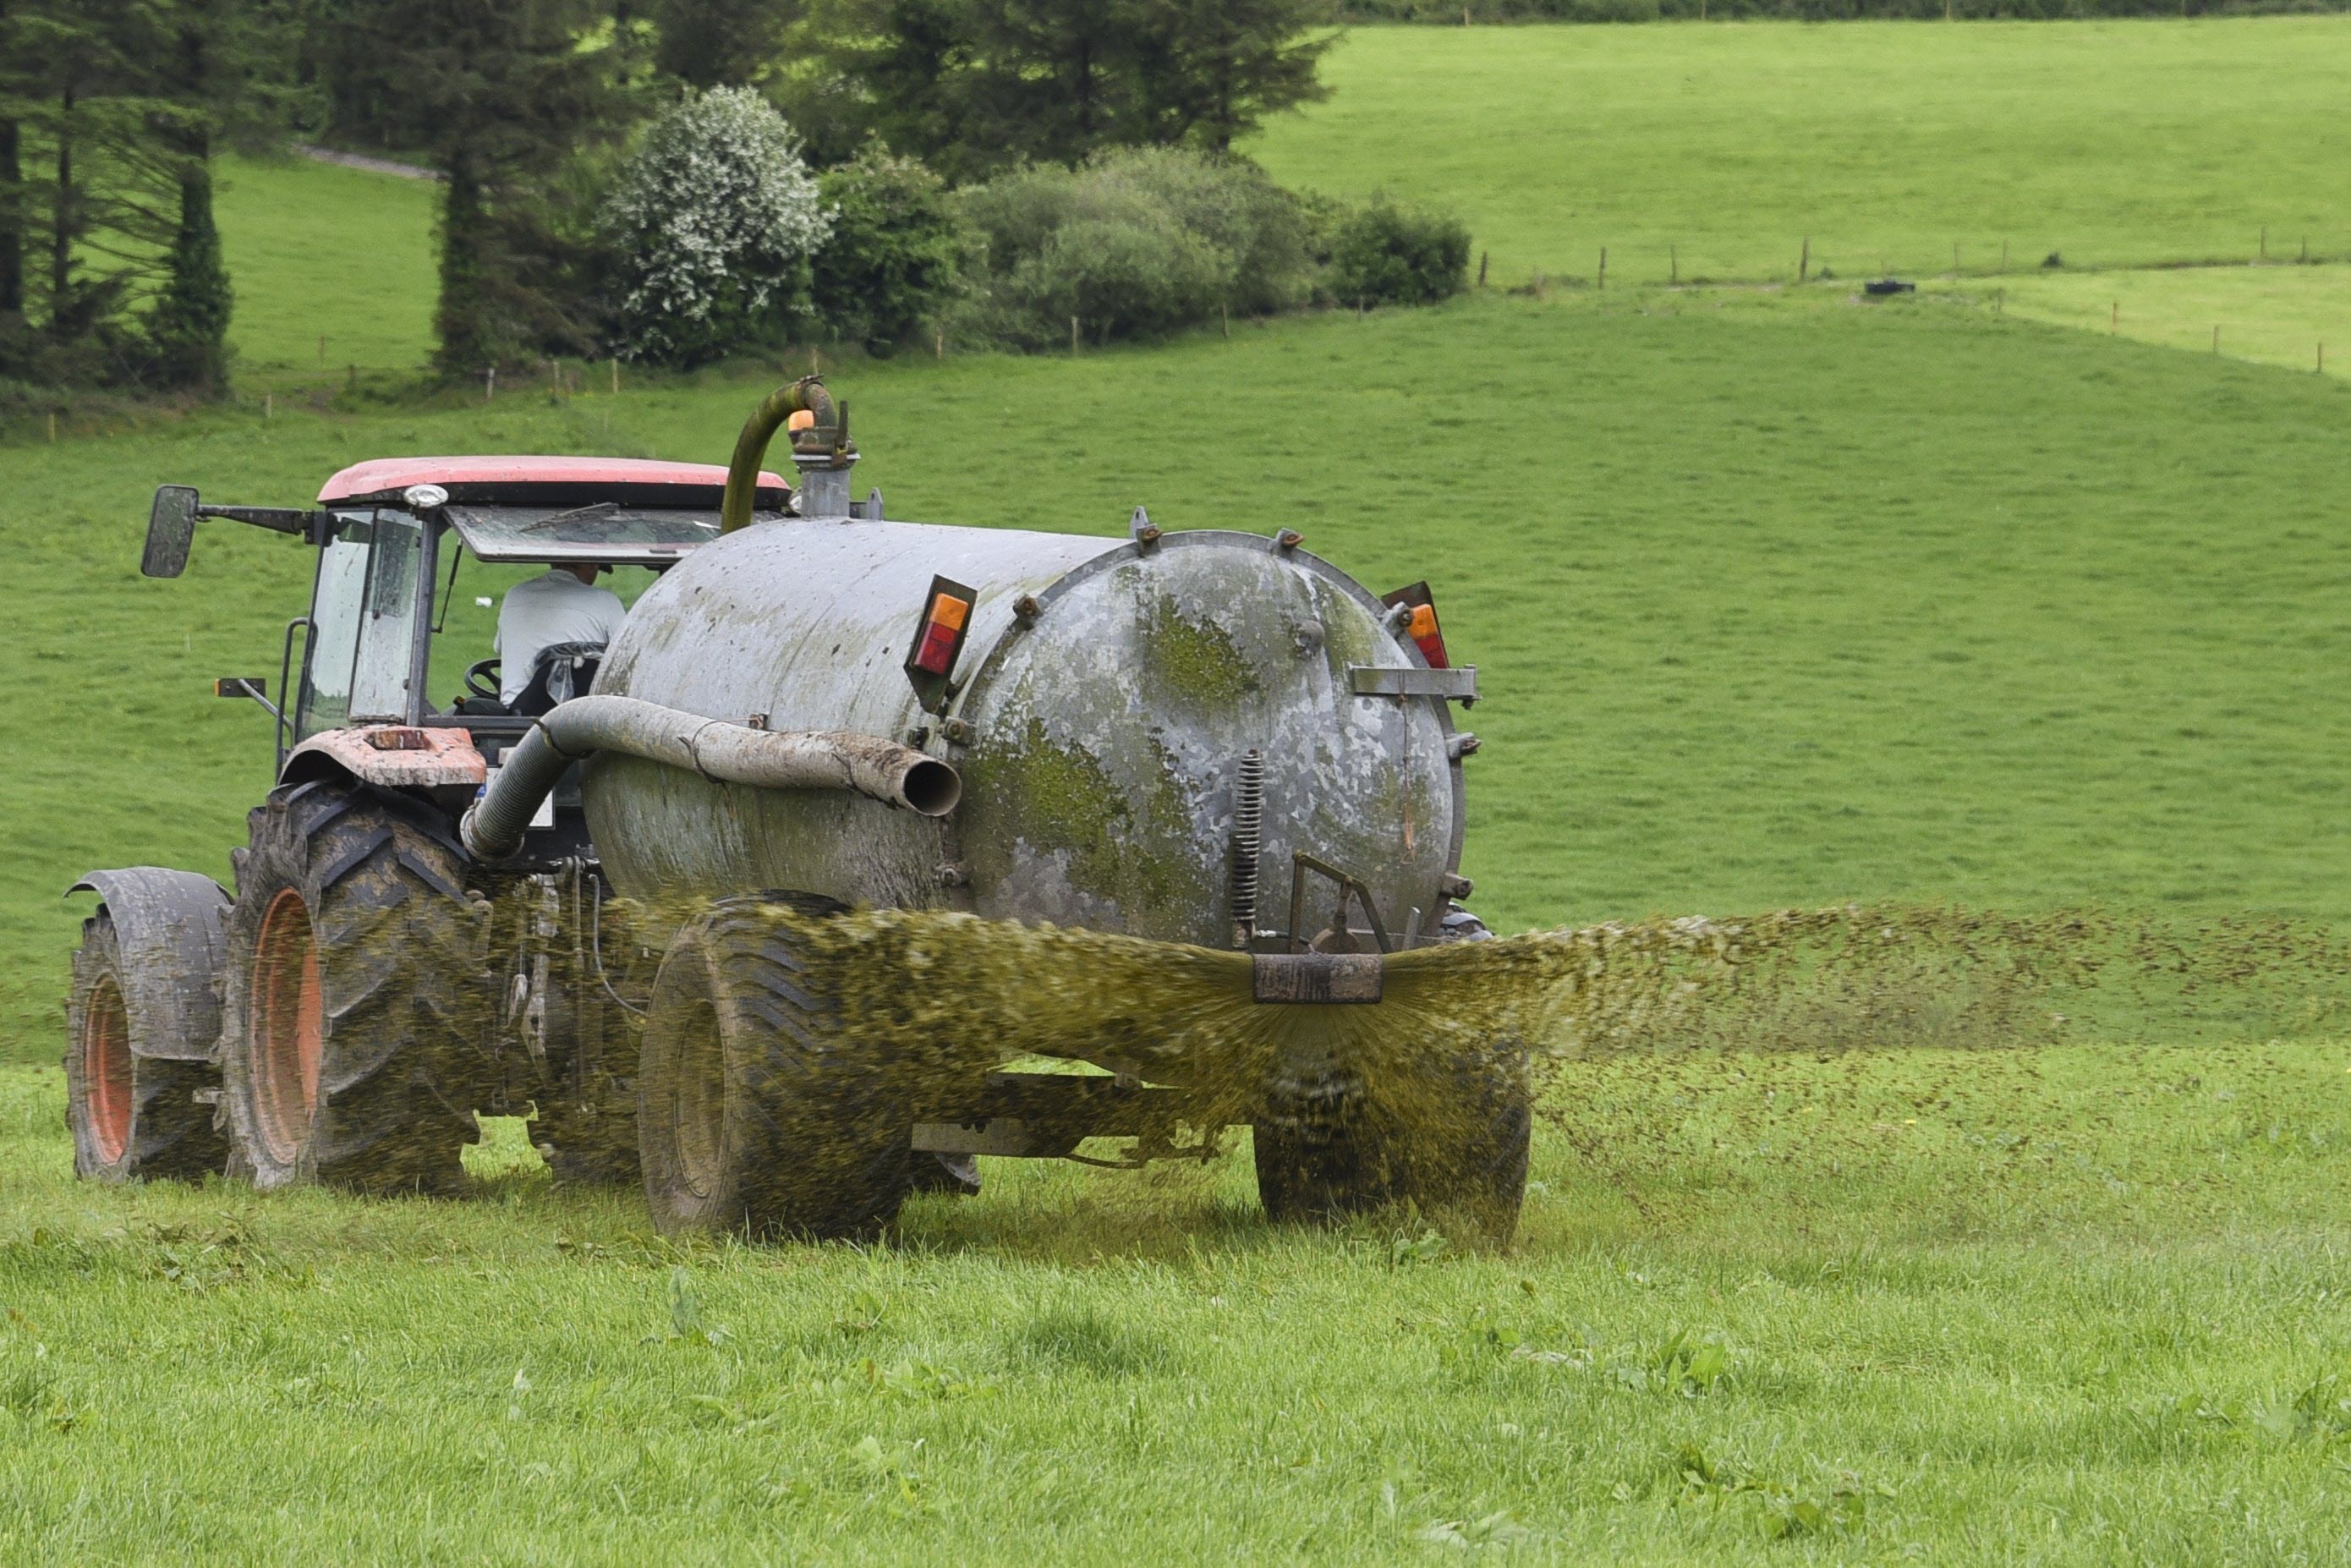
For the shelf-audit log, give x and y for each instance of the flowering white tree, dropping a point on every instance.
(713, 221)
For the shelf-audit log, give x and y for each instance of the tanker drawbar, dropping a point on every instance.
(1210, 747)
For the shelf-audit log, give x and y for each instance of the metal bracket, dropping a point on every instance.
(1301, 863)
(1460, 685)
(1290, 978)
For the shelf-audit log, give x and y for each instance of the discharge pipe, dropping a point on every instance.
(722, 752)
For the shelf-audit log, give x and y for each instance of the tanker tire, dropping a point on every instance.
(132, 1116)
(752, 1117)
(351, 990)
(1454, 1139)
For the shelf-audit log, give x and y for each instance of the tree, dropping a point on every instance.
(895, 253)
(501, 95)
(713, 223)
(718, 42)
(1211, 70)
(975, 85)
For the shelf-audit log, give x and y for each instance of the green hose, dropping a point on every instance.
(751, 446)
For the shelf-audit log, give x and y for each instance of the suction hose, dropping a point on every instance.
(808, 394)
(723, 753)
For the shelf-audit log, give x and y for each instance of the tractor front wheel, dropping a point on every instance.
(139, 1030)
(351, 995)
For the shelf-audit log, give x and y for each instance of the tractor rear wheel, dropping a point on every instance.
(352, 996)
(752, 1115)
(134, 1115)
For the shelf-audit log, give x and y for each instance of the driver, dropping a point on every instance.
(563, 606)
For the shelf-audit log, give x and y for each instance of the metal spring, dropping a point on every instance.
(1248, 820)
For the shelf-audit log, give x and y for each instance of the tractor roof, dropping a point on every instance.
(546, 481)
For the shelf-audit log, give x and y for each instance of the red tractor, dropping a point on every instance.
(366, 1071)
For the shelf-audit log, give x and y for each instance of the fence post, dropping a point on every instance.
(616, 375)
(1673, 264)
(490, 384)
(2115, 317)
(2265, 242)
(1603, 282)
(1481, 269)
(1804, 260)
(1073, 335)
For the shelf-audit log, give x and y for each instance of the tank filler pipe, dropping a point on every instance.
(751, 446)
(723, 753)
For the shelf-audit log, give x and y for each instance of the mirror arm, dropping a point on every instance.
(277, 519)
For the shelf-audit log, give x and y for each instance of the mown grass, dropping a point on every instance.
(1886, 143)
(2278, 315)
(2073, 1308)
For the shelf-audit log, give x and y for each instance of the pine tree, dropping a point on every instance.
(718, 42)
(1211, 70)
(501, 95)
(190, 320)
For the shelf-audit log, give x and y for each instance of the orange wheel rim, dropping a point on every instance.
(106, 1068)
(288, 1031)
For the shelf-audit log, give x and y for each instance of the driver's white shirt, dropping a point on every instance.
(541, 611)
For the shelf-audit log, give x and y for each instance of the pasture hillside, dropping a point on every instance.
(2110, 143)
(1777, 599)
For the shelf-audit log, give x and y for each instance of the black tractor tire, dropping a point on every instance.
(133, 1115)
(353, 996)
(753, 1116)
(1451, 1134)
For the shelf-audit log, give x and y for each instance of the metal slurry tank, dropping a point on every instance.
(1109, 691)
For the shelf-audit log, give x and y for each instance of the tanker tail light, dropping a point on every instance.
(938, 639)
(1420, 622)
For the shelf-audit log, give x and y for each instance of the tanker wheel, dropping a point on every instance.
(133, 1116)
(752, 1115)
(1452, 1137)
(352, 995)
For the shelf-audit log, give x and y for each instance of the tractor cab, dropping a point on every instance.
(415, 557)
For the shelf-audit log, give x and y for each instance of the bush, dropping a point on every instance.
(711, 227)
(1385, 255)
(1133, 242)
(896, 252)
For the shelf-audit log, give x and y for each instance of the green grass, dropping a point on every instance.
(2112, 143)
(2058, 1308)
(1777, 599)
(317, 251)
(2273, 315)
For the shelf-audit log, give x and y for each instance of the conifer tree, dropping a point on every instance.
(718, 42)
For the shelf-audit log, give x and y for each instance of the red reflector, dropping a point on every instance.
(936, 655)
(1432, 648)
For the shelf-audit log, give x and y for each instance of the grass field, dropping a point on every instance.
(2082, 1308)
(1778, 597)
(2110, 143)
(2272, 315)
(315, 252)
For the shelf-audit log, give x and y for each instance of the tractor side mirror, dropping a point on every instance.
(171, 529)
